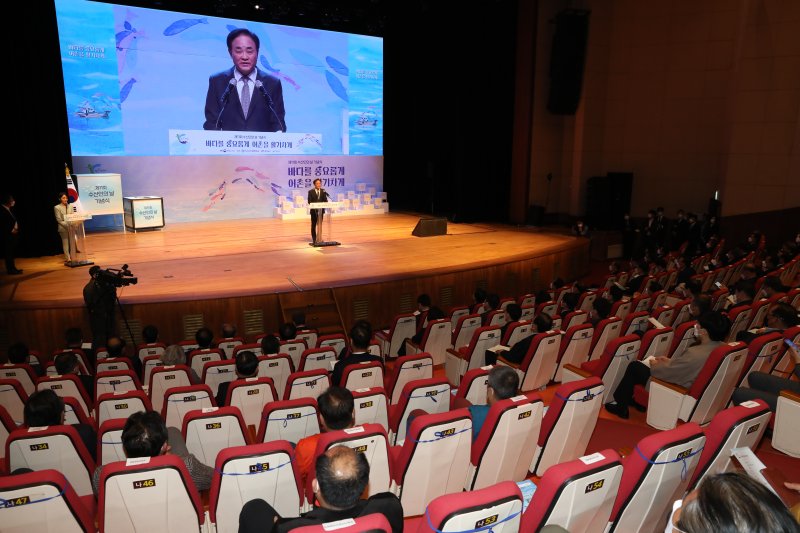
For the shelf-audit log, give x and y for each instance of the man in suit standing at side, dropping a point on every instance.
(317, 194)
(9, 233)
(244, 98)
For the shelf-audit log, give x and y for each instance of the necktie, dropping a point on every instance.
(317, 194)
(245, 96)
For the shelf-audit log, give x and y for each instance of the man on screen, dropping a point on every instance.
(317, 194)
(244, 98)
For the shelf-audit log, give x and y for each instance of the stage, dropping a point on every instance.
(230, 271)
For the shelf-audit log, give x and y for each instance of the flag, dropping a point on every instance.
(72, 191)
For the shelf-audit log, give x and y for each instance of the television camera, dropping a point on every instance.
(116, 277)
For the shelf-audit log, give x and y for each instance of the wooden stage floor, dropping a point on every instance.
(192, 261)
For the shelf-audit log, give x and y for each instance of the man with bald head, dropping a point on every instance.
(342, 477)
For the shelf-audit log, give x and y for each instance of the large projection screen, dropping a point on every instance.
(136, 84)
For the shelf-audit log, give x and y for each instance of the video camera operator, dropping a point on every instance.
(100, 296)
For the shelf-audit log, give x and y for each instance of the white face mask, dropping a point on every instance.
(670, 528)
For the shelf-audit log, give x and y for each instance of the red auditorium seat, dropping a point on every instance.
(786, 433)
(364, 375)
(112, 381)
(197, 359)
(250, 395)
(610, 367)
(574, 349)
(308, 384)
(279, 368)
(178, 401)
(290, 420)
(606, 330)
(497, 508)
(403, 327)
(13, 398)
(371, 407)
(318, 358)
(406, 369)
(473, 385)
(23, 373)
(337, 341)
(67, 385)
(120, 405)
(210, 430)
(431, 395)
(460, 360)
(109, 442)
(540, 361)
(374, 523)
(435, 341)
(163, 378)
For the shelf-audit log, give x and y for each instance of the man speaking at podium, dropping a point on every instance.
(317, 194)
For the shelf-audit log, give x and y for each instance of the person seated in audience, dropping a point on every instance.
(270, 345)
(502, 384)
(67, 363)
(638, 273)
(614, 268)
(299, 319)
(146, 435)
(773, 286)
(46, 408)
(336, 411)
(615, 293)
(513, 313)
(287, 331)
(700, 305)
(601, 309)
(690, 289)
(682, 369)
(516, 353)
(781, 316)
(204, 338)
(246, 367)
(752, 242)
(116, 348)
(73, 338)
(360, 336)
(492, 304)
(685, 270)
(765, 386)
(742, 296)
(750, 271)
(174, 355)
(731, 501)
(769, 264)
(19, 354)
(228, 331)
(150, 334)
(423, 306)
(342, 476)
(580, 229)
(543, 296)
(478, 301)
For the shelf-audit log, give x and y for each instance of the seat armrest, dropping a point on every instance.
(502, 361)
(573, 373)
(664, 404)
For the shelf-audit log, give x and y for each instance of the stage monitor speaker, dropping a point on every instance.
(428, 227)
(567, 58)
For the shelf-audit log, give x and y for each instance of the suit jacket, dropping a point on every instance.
(352, 359)
(312, 195)
(259, 117)
(383, 503)
(682, 369)
(7, 221)
(61, 213)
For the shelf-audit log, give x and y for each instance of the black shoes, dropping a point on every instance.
(639, 407)
(15, 271)
(618, 410)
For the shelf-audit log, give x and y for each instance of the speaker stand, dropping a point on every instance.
(324, 243)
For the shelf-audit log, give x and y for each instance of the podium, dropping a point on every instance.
(327, 208)
(78, 253)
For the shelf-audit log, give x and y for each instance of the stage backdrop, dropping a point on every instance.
(136, 82)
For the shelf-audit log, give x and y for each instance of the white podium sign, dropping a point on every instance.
(100, 194)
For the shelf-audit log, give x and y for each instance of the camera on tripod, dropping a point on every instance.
(117, 277)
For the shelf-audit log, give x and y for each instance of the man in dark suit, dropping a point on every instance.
(9, 233)
(360, 336)
(244, 98)
(317, 194)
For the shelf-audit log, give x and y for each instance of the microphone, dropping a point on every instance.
(268, 98)
(223, 101)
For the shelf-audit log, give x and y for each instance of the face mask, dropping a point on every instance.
(670, 528)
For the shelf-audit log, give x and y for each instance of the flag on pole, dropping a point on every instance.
(72, 191)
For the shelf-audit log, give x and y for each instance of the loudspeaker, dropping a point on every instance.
(428, 227)
(567, 58)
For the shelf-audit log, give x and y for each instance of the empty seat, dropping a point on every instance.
(155, 349)
(435, 341)
(290, 420)
(539, 363)
(148, 365)
(294, 348)
(577, 495)
(575, 346)
(227, 345)
(216, 372)
(109, 441)
(462, 333)
(574, 318)
(737, 427)
(371, 406)
(473, 385)
(498, 507)
(455, 315)
(149, 494)
(786, 433)
(503, 451)
(653, 476)
(635, 322)
(309, 384)
(606, 330)
(56, 447)
(433, 459)
(121, 405)
(7, 425)
(250, 395)
(610, 367)
(402, 327)
(308, 335)
(197, 359)
(431, 395)
(210, 430)
(406, 369)
(13, 398)
(762, 354)
(112, 364)
(460, 360)
(337, 341)
(178, 401)
(243, 473)
(58, 507)
(568, 423)
(23, 373)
